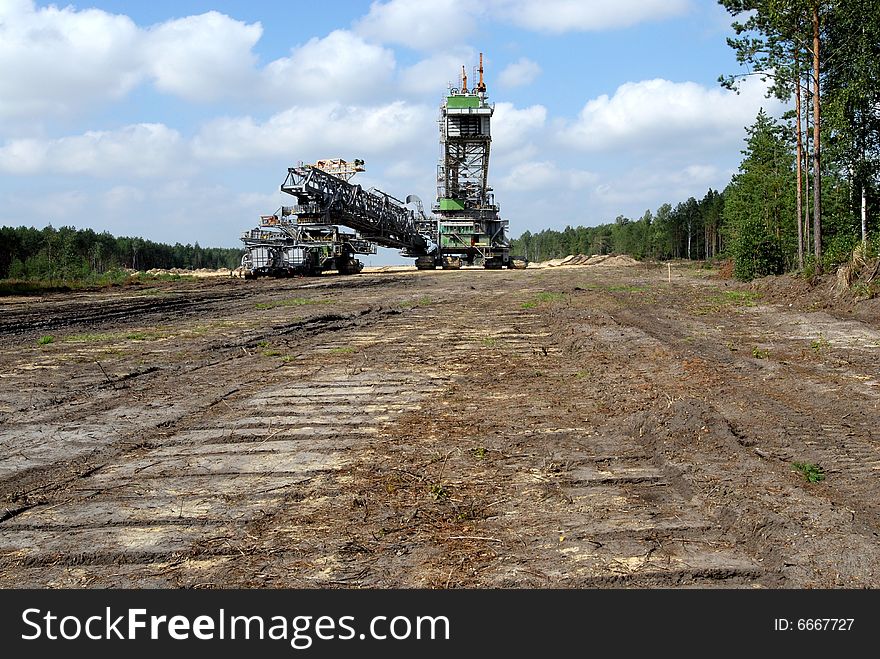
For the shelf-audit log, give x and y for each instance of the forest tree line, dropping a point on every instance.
(806, 193)
(691, 230)
(69, 254)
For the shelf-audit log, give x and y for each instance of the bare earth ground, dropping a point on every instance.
(556, 427)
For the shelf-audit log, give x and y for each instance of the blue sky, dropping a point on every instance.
(176, 121)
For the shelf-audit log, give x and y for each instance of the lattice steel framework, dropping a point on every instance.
(326, 199)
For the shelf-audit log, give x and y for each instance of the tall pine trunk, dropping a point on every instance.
(799, 204)
(817, 175)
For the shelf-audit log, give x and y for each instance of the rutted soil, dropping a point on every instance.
(561, 427)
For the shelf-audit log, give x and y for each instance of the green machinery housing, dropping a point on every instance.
(468, 225)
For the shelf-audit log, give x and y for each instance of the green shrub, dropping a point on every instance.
(756, 252)
(839, 249)
(813, 473)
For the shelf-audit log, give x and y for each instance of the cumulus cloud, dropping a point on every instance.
(430, 25)
(546, 175)
(418, 24)
(139, 150)
(512, 126)
(201, 57)
(617, 194)
(54, 60)
(58, 61)
(519, 73)
(660, 114)
(514, 131)
(340, 67)
(584, 15)
(432, 74)
(329, 130)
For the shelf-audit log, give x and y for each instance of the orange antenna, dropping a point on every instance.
(481, 86)
(464, 80)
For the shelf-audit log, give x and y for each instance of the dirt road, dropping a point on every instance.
(558, 427)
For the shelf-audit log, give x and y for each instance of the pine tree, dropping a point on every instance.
(758, 202)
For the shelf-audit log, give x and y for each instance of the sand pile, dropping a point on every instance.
(595, 259)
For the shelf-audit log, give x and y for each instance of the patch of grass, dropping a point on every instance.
(167, 276)
(479, 452)
(583, 374)
(116, 277)
(341, 350)
(819, 344)
(26, 287)
(489, 342)
(759, 353)
(145, 336)
(201, 330)
(291, 302)
(423, 301)
(861, 289)
(439, 492)
(813, 473)
(262, 344)
(91, 338)
(737, 298)
(744, 297)
(45, 340)
(716, 303)
(543, 298)
(272, 353)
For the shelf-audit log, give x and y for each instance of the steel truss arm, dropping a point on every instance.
(378, 216)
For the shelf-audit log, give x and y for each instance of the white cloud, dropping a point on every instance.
(140, 150)
(440, 23)
(585, 15)
(201, 57)
(546, 175)
(340, 67)
(418, 24)
(122, 198)
(511, 126)
(617, 194)
(514, 129)
(432, 74)
(657, 115)
(55, 60)
(519, 73)
(59, 61)
(46, 207)
(325, 131)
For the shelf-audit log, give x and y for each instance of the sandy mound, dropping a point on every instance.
(201, 272)
(595, 259)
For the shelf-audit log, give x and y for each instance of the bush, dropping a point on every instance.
(839, 249)
(756, 252)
